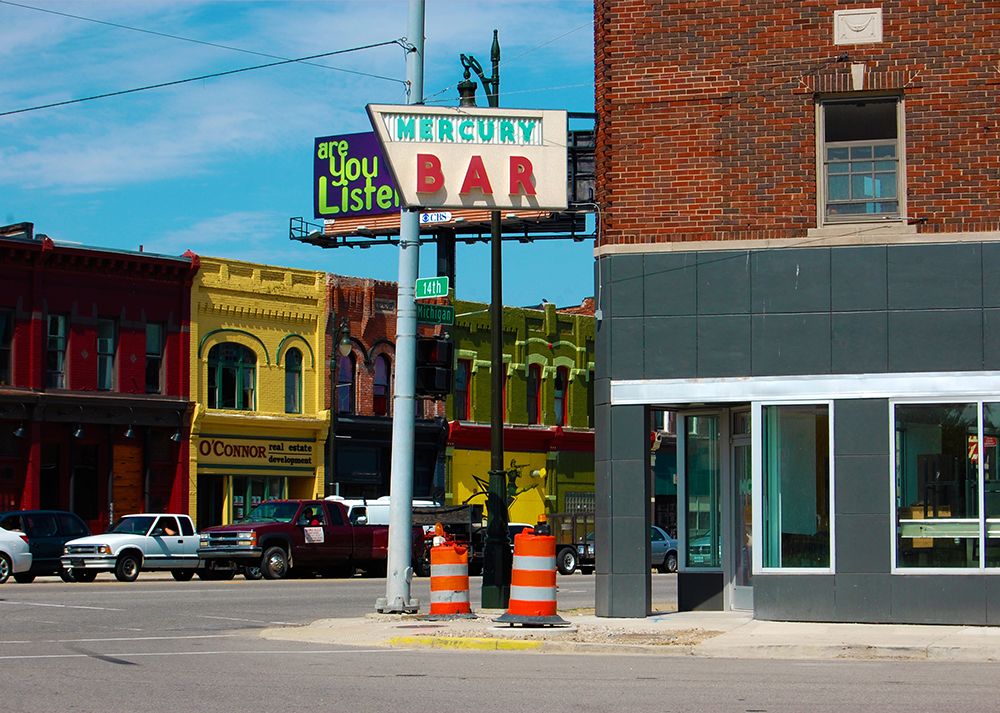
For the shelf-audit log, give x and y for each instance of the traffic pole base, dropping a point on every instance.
(512, 619)
(397, 606)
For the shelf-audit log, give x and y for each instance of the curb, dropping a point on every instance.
(464, 643)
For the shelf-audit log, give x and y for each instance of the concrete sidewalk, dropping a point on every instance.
(707, 634)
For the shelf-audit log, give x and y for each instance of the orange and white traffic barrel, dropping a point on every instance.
(533, 581)
(449, 580)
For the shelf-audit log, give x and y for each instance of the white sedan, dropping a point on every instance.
(15, 557)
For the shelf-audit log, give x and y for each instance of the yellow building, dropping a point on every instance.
(258, 382)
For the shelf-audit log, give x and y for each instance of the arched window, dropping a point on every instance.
(534, 393)
(345, 384)
(380, 387)
(293, 381)
(232, 377)
(561, 398)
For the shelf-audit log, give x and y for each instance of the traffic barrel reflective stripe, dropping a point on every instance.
(450, 580)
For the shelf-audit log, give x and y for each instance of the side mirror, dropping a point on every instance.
(157, 532)
(361, 520)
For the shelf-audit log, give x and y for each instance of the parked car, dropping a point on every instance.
(48, 532)
(151, 541)
(15, 555)
(663, 551)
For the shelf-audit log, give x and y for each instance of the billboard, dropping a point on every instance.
(351, 178)
(466, 157)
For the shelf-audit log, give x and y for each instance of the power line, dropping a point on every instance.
(191, 40)
(195, 79)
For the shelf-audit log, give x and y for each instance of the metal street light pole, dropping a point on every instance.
(496, 558)
(399, 569)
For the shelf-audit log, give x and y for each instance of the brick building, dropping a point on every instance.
(258, 375)
(93, 377)
(363, 315)
(548, 407)
(799, 225)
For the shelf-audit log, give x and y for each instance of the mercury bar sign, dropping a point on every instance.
(474, 158)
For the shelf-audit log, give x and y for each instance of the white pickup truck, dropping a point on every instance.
(151, 541)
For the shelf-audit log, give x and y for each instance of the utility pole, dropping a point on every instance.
(399, 569)
(496, 558)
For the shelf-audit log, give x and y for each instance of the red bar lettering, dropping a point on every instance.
(521, 176)
(475, 177)
(429, 176)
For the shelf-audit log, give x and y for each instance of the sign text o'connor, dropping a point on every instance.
(212, 447)
(474, 158)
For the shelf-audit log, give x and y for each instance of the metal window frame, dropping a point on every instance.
(821, 177)
(757, 503)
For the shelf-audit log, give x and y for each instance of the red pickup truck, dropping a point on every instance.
(281, 536)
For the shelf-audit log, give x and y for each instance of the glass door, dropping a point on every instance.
(742, 520)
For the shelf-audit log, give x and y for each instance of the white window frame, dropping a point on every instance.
(757, 505)
(978, 399)
(821, 183)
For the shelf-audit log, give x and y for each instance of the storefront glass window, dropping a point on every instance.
(702, 507)
(937, 484)
(796, 486)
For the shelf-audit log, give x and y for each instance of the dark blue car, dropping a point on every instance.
(47, 531)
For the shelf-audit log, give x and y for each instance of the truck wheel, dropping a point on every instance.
(127, 567)
(182, 575)
(567, 561)
(84, 575)
(251, 573)
(5, 567)
(669, 563)
(66, 575)
(274, 563)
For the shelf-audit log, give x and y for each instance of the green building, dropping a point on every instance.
(548, 399)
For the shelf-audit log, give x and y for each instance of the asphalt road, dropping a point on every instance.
(159, 645)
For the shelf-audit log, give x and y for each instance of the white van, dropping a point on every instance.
(373, 512)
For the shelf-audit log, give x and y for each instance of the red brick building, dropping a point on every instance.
(799, 239)
(93, 377)
(363, 315)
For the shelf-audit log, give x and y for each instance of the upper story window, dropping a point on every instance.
(6, 345)
(232, 377)
(380, 387)
(154, 357)
(55, 351)
(293, 381)
(463, 371)
(534, 397)
(861, 152)
(345, 384)
(561, 397)
(106, 338)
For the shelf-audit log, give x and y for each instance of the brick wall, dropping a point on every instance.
(706, 126)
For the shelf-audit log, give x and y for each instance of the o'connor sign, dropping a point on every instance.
(474, 158)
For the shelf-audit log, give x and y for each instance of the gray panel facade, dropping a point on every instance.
(809, 311)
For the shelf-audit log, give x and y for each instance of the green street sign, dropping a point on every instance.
(430, 287)
(435, 314)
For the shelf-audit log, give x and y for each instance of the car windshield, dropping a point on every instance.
(272, 512)
(138, 525)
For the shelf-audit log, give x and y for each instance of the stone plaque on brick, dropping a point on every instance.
(858, 26)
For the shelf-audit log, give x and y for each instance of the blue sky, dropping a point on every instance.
(218, 166)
